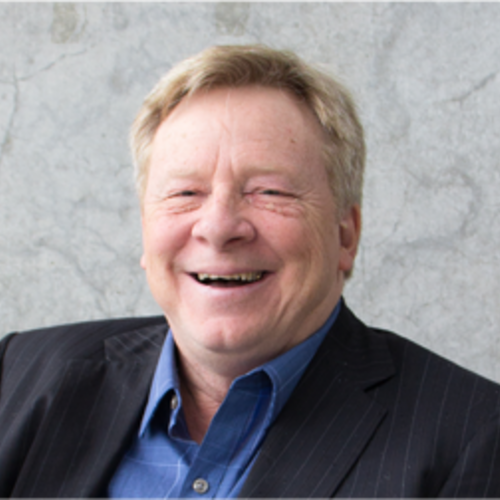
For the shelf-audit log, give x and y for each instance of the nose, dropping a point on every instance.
(222, 222)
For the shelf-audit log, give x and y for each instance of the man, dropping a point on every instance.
(250, 168)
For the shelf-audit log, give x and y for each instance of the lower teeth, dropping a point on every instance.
(223, 282)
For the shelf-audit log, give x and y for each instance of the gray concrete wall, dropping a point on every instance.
(72, 77)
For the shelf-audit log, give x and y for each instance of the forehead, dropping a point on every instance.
(260, 105)
(249, 123)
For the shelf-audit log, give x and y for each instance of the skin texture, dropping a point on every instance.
(237, 184)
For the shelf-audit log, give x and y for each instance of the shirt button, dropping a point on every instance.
(200, 486)
(174, 402)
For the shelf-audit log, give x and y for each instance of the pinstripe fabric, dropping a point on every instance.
(70, 399)
(373, 415)
(378, 416)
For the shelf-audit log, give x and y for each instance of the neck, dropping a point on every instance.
(202, 391)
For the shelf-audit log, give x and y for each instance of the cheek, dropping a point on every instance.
(164, 237)
(291, 239)
(308, 250)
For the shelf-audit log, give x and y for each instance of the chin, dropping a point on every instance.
(230, 336)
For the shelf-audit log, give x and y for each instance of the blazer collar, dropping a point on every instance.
(329, 418)
(136, 346)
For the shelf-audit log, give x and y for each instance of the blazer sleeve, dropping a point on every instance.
(476, 472)
(3, 349)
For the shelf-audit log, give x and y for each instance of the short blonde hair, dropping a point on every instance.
(242, 65)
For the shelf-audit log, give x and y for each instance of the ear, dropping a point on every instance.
(349, 234)
(143, 256)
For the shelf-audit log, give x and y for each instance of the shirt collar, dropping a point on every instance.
(165, 379)
(283, 371)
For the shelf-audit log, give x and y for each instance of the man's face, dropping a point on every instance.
(243, 248)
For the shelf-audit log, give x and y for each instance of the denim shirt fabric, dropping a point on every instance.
(164, 462)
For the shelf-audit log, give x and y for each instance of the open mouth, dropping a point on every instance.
(229, 280)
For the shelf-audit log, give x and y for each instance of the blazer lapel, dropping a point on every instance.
(329, 419)
(92, 419)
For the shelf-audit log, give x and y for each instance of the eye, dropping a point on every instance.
(186, 192)
(277, 192)
(272, 192)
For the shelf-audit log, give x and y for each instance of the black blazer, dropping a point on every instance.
(373, 416)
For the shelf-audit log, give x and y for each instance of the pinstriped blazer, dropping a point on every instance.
(373, 416)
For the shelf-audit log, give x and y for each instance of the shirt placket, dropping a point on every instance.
(244, 407)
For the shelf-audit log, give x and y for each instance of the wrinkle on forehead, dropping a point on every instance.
(234, 123)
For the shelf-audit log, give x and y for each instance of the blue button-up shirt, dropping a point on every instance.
(164, 462)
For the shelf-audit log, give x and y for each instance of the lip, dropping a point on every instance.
(227, 271)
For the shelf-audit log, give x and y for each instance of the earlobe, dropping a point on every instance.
(349, 233)
(143, 261)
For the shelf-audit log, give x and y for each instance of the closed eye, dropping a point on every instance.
(185, 193)
(274, 192)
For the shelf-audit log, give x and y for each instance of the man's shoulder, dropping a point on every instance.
(104, 326)
(430, 386)
(410, 356)
(82, 338)
(415, 368)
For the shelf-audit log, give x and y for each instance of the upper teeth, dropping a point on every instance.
(231, 277)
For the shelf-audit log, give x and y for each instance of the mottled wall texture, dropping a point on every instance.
(425, 76)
